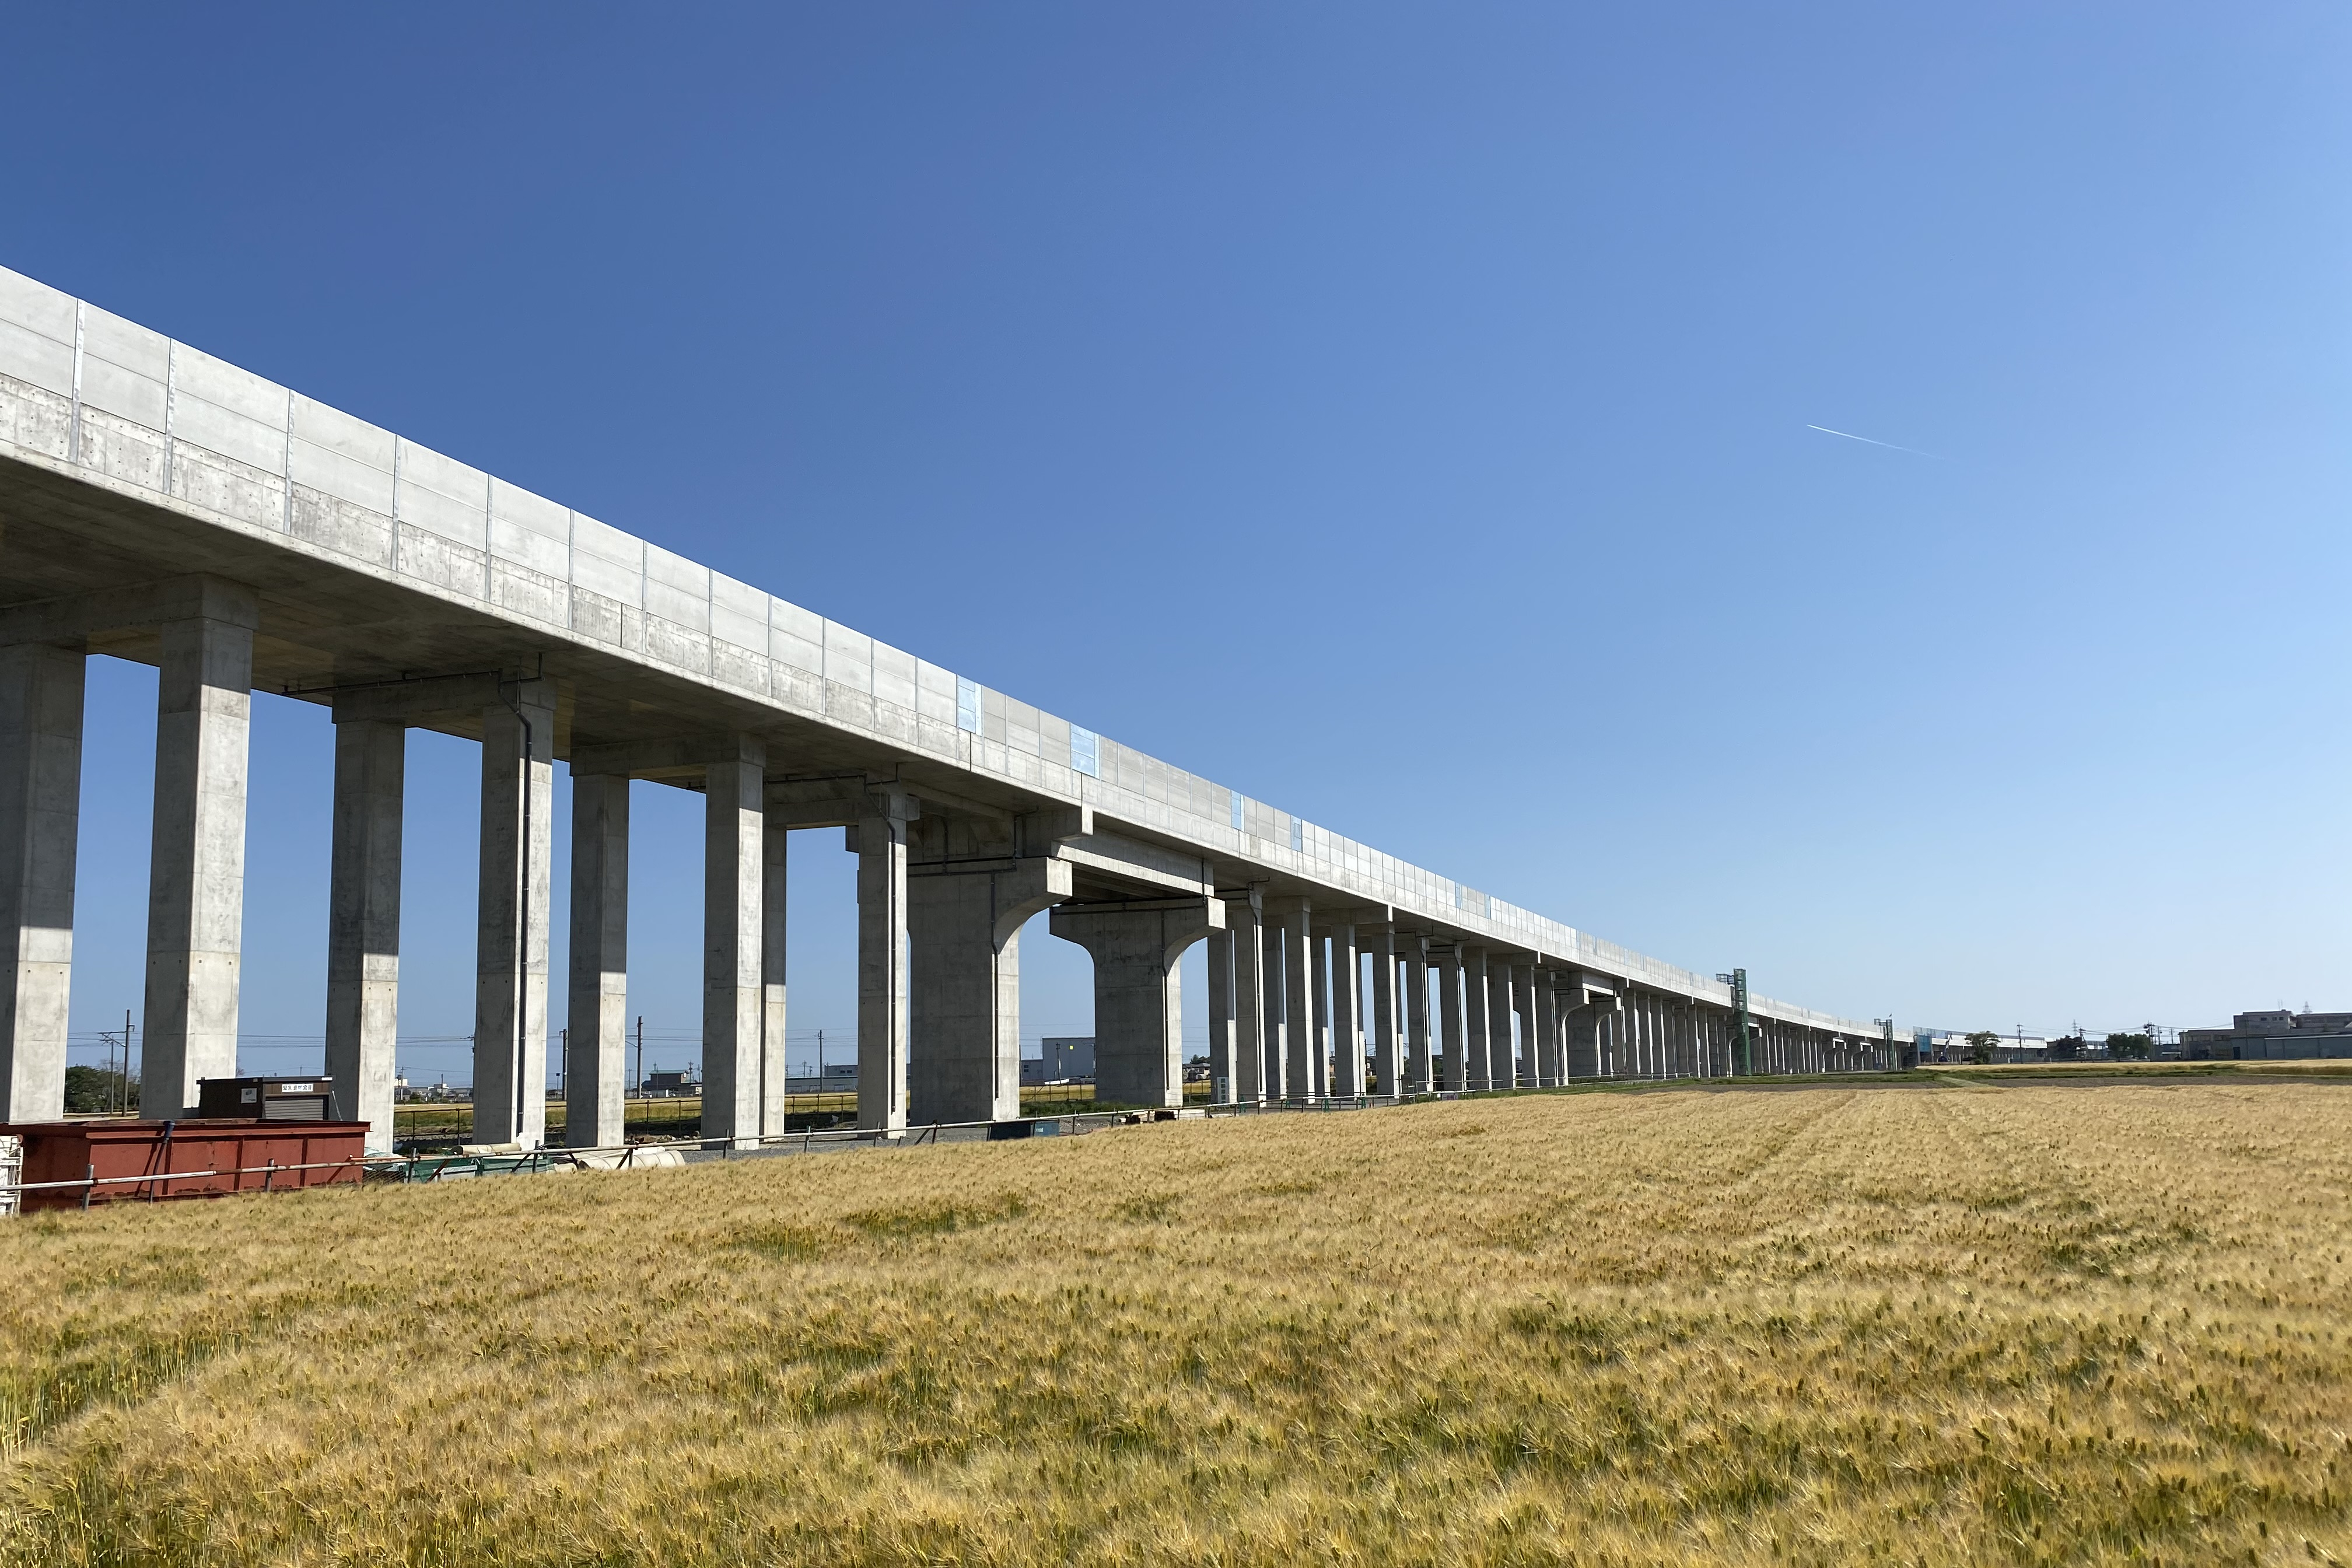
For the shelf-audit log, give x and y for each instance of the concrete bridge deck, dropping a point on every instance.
(162, 505)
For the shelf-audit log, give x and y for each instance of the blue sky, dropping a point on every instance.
(1399, 414)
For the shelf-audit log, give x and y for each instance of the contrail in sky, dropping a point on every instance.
(1889, 444)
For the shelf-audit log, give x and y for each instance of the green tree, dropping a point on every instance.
(99, 1089)
(1980, 1046)
(2130, 1048)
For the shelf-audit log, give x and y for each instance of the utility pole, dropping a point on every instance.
(641, 1055)
(125, 1079)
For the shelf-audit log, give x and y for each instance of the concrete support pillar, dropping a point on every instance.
(1138, 947)
(879, 840)
(1245, 917)
(1223, 1021)
(1474, 1015)
(964, 1049)
(1420, 1061)
(1274, 989)
(1347, 1010)
(364, 922)
(195, 889)
(1299, 1036)
(511, 951)
(1320, 1054)
(1453, 988)
(1522, 1005)
(41, 815)
(1501, 1065)
(596, 1015)
(1546, 1035)
(1388, 1037)
(734, 878)
(775, 1067)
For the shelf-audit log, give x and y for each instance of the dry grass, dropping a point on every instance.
(1939, 1326)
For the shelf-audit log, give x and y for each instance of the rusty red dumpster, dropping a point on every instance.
(113, 1161)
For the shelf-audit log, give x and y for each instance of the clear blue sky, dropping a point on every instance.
(1399, 414)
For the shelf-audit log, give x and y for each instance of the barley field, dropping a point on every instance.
(1962, 1324)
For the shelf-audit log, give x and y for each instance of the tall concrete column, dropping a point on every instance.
(1138, 947)
(1274, 989)
(1419, 1060)
(597, 1017)
(1546, 1035)
(1453, 988)
(879, 840)
(1223, 1021)
(364, 922)
(195, 889)
(963, 1058)
(1523, 978)
(510, 942)
(1502, 1067)
(775, 1066)
(40, 814)
(1347, 1010)
(1245, 917)
(1320, 1056)
(1388, 1037)
(1474, 1018)
(1300, 1040)
(734, 898)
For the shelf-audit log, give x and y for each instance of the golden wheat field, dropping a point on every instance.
(1951, 1325)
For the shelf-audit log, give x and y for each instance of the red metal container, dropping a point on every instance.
(205, 1159)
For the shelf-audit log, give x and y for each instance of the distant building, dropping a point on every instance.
(2278, 1036)
(1061, 1058)
(665, 1081)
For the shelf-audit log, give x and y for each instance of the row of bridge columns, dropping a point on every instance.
(941, 902)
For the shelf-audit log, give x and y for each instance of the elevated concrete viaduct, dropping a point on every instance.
(161, 505)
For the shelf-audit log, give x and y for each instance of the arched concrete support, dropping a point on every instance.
(40, 814)
(964, 1040)
(195, 888)
(511, 939)
(364, 922)
(1585, 1034)
(597, 1026)
(1138, 947)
